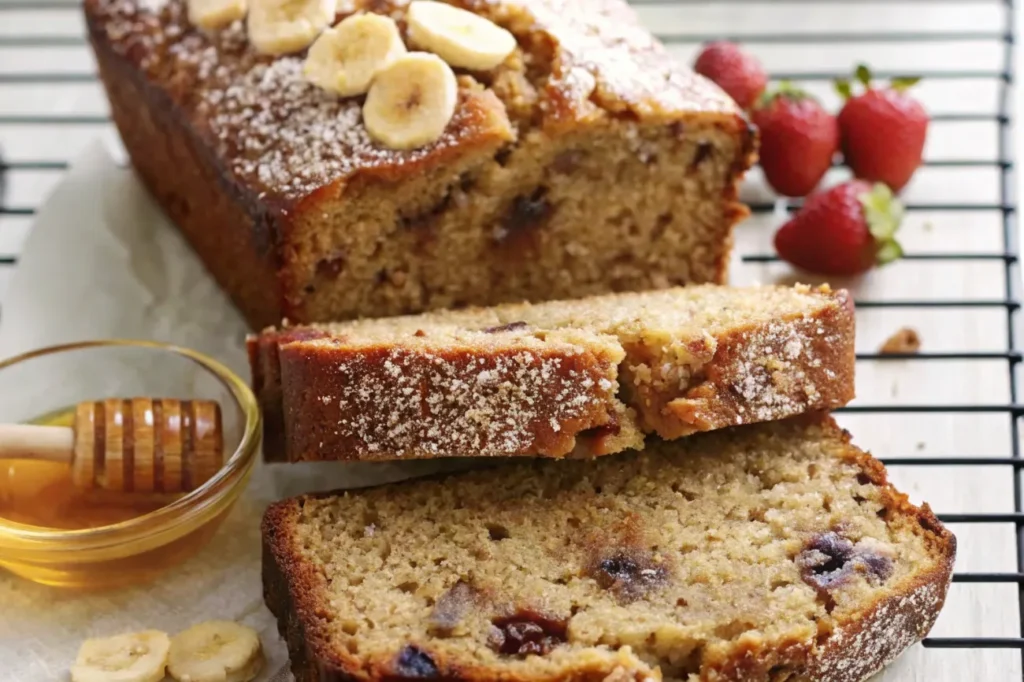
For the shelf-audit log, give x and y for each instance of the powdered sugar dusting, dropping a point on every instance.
(772, 350)
(607, 56)
(858, 651)
(282, 136)
(772, 377)
(502, 404)
(279, 134)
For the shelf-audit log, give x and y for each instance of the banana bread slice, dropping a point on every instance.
(588, 162)
(584, 377)
(772, 552)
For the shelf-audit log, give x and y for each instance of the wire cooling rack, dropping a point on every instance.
(946, 421)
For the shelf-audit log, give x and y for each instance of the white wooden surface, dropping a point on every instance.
(973, 610)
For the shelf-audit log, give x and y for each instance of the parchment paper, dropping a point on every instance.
(101, 261)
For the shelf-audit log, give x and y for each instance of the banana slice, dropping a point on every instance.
(135, 657)
(215, 14)
(216, 651)
(461, 38)
(344, 59)
(411, 101)
(279, 27)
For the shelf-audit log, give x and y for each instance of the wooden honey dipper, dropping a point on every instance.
(139, 445)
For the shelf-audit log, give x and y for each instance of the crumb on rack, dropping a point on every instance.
(906, 340)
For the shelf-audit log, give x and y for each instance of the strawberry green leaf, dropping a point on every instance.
(888, 252)
(883, 213)
(843, 88)
(863, 74)
(783, 89)
(904, 83)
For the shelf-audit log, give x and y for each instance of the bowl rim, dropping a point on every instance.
(181, 510)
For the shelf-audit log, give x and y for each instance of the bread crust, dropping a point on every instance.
(749, 374)
(857, 650)
(822, 377)
(853, 651)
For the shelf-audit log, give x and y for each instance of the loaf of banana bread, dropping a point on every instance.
(587, 162)
(768, 553)
(583, 377)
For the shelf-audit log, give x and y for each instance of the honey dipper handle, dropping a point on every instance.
(22, 441)
(147, 445)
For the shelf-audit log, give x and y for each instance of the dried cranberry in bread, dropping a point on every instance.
(758, 553)
(583, 377)
(588, 162)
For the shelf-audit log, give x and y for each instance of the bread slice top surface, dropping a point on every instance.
(652, 317)
(747, 554)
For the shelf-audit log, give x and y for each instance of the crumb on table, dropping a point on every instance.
(905, 340)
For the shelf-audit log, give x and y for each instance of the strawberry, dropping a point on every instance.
(845, 230)
(735, 71)
(798, 140)
(883, 130)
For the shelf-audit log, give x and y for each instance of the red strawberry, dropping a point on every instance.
(845, 230)
(735, 71)
(798, 140)
(883, 130)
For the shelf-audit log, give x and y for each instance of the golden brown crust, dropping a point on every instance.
(857, 646)
(200, 73)
(732, 387)
(260, 170)
(589, 59)
(319, 397)
(858, 649)
(506, 402)
(199, 195)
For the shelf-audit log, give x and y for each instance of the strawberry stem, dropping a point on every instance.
(883, 213)
(888, 252)
(783, 89)
(863, 75)
(843, 88)
(904, 83)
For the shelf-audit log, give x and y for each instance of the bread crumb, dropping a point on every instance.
(906, 340)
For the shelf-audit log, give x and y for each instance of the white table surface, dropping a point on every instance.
(973, 609)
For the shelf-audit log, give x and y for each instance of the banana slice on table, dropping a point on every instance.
(411, 101)
(215, 14)
(461, 38)
(344, 59)
(279, 27)
(134, 657)
(215, 651)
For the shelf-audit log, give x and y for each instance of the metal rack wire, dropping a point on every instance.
(1008, 255)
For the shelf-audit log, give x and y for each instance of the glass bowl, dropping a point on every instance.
(40, 387)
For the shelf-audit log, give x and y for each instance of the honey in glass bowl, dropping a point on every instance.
(56, 533)
(41, 493)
